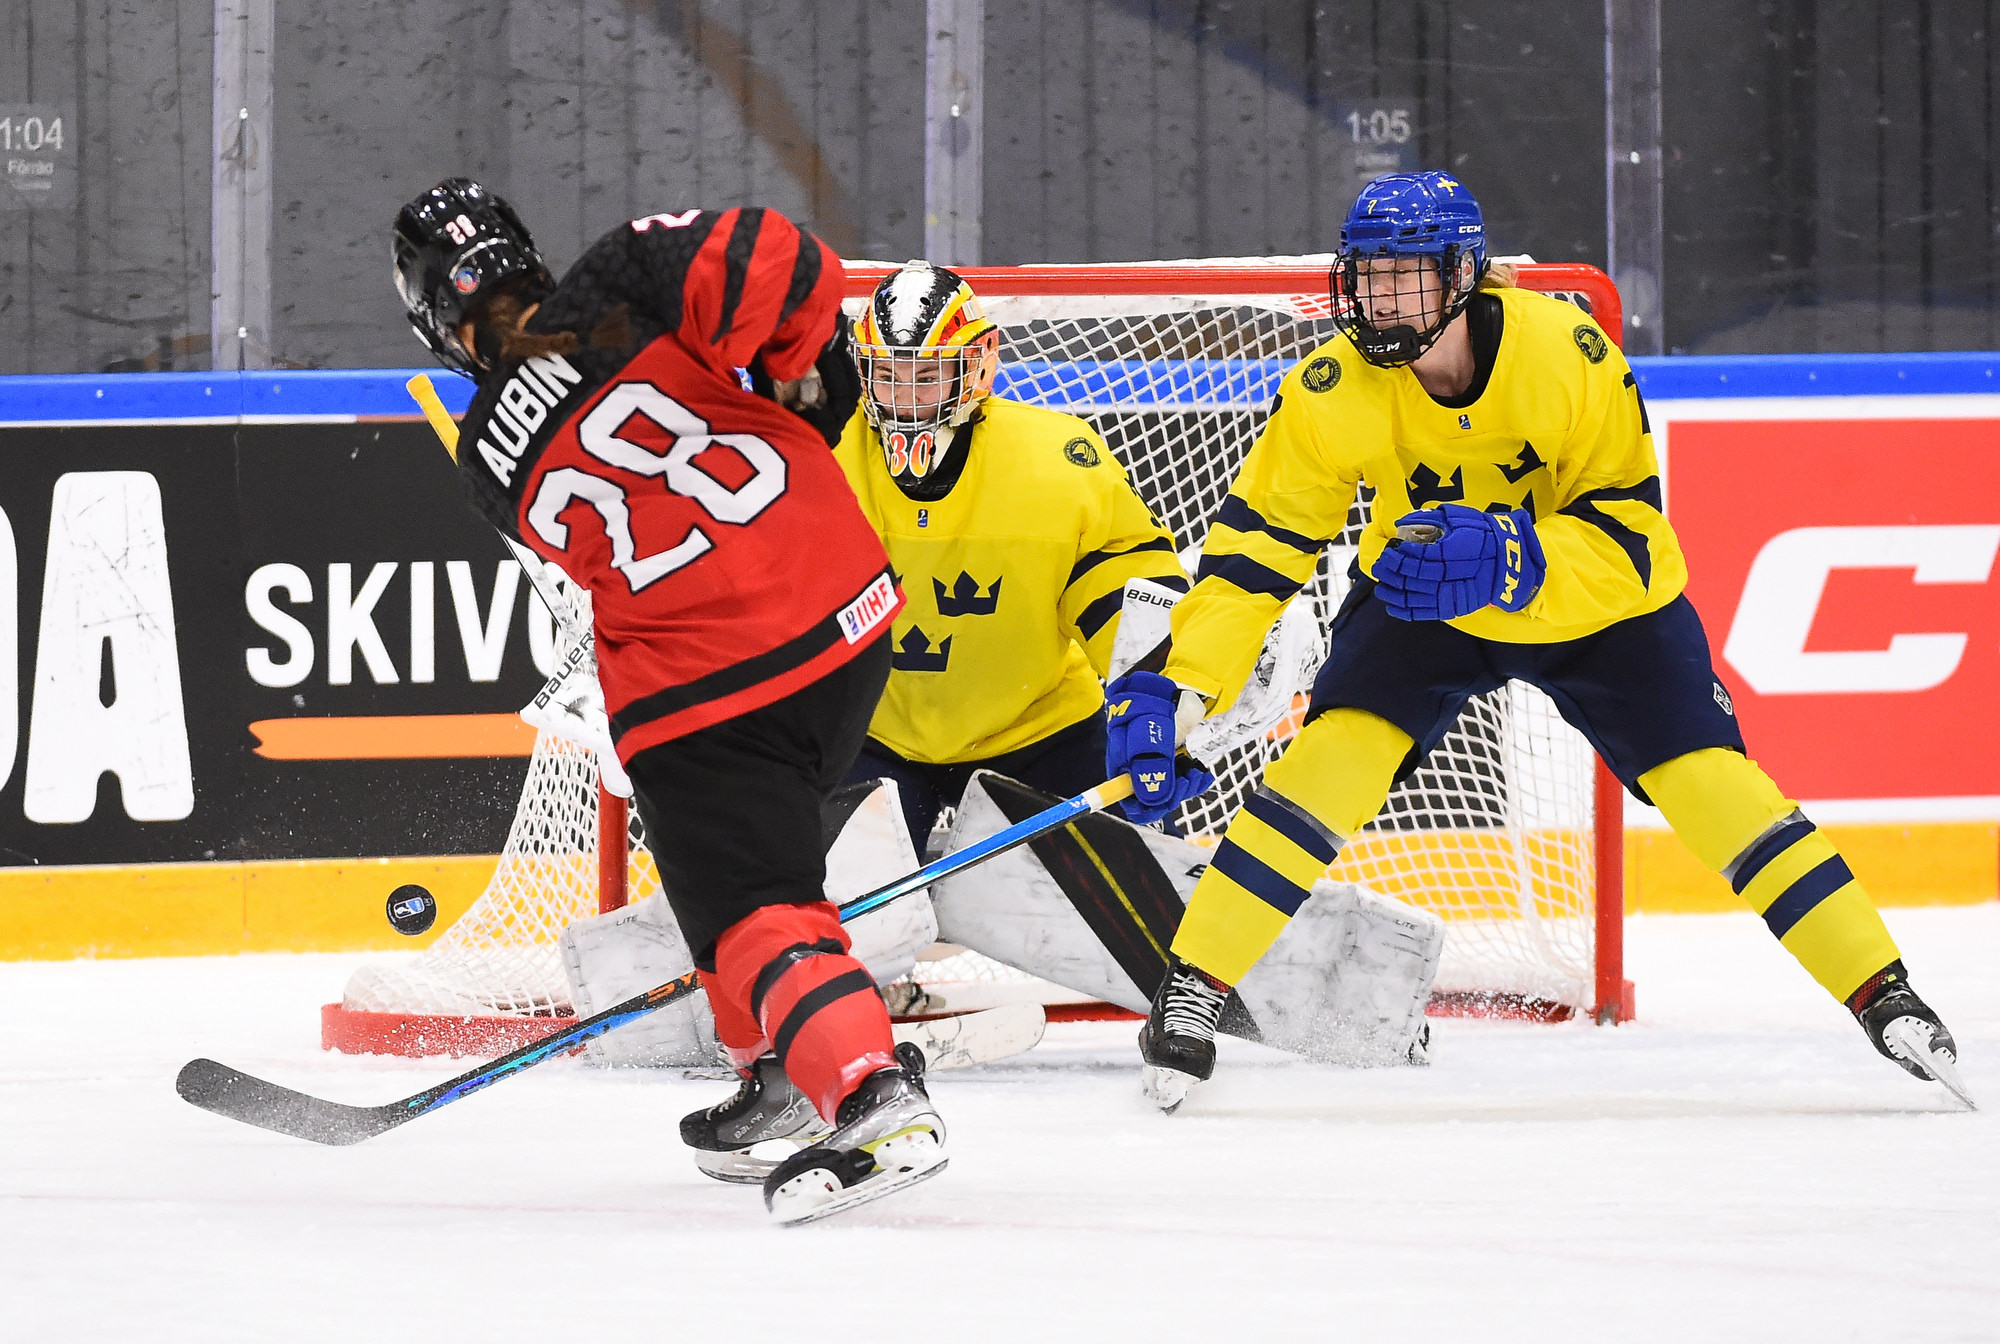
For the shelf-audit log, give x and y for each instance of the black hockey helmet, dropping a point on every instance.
(454, 244)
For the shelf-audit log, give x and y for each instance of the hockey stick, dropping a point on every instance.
(442, 425)
(235, 1094)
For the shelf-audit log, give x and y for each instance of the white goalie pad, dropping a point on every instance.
(571, 705)
(609, 958)
(1293, 650)
(1346, 982)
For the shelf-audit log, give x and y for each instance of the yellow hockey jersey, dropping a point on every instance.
(1558, 430)
(1014, 582)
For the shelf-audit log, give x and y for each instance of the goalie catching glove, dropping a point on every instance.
(1141, 741)
(1482, 560)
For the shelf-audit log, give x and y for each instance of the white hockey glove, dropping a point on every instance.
(571, 705)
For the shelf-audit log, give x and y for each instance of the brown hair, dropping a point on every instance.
(502, 313)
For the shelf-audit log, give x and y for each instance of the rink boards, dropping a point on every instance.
(249, 630)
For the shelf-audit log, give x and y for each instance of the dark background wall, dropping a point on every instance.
(1829, 179)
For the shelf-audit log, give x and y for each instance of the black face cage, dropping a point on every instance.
(1401, 343)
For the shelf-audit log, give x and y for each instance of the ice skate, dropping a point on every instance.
(766, 1109)
(1904, 1029)
(1178, 1040)
(888, 1136)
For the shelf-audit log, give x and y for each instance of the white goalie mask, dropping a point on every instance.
(927, 356)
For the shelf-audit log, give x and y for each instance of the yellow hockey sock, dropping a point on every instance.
(1328, 785)
(1737, 822)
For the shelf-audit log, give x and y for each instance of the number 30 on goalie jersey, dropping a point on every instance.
(678, 469)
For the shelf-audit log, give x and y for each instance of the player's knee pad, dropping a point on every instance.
(1340, 767)
(1718, 801)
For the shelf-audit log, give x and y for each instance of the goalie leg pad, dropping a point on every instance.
(609, 958)
(788, 965)
(1093, 908)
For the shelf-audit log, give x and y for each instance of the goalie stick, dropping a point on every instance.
(231, 1092)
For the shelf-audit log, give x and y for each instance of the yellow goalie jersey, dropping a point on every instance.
(1014, 582)
(1559, 430)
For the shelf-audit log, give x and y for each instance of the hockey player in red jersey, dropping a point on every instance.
(658, 424)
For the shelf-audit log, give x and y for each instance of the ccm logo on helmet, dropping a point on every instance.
(1781, 598)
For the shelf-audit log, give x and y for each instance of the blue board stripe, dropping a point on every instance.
(1170, 385)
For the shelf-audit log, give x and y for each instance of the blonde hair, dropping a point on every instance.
(1500, 275)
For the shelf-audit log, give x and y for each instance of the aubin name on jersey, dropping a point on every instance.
(536, 388)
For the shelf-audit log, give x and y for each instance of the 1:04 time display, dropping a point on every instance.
(30, 133)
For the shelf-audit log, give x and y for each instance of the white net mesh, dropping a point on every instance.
(500, 956)
(1494, 833)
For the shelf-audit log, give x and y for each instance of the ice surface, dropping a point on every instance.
(1737, 1165)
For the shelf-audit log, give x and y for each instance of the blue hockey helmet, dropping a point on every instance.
(1423, 215)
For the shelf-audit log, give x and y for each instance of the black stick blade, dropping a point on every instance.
(229, 1092)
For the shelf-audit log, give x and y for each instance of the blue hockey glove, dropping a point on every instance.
(1483, 559)
(1139, 713)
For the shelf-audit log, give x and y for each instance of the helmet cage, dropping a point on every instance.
(1400, 342)
(927, 356)
(453, 246)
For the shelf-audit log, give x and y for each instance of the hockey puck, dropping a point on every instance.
(412, 910)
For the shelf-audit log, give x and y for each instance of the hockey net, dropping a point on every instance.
(1510, 832)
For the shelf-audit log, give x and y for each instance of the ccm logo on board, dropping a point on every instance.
(1782, 594)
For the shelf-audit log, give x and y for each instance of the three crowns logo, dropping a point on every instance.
(965, 599)
(915, 654)
(1426, 487)
(1528, 461)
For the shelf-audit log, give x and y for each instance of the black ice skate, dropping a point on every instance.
(887, 1135)
(765, 1108)
(1904, 1029)
(1178, 1040)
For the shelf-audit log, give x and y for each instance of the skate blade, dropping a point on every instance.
(749, 1166)
(1165, 1088)
(914, 1164)
(1910, 1040)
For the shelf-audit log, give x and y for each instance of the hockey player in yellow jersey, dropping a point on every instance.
(1516, 533)
(1013, 531)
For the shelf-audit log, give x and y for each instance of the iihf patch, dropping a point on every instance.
(1591, 341)
(923, 517)
(1082, 452)
(1322, 375)
(466, 280)
(1465, 422)
(1722, 698)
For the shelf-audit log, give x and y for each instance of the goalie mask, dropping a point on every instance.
(1412, 251)
(454, 246)
(927, 356)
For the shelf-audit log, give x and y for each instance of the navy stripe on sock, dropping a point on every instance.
(856, 981)
(1294, 823)
(1800, 898)
(783, 962)
(1775, 842)
(1258, 878)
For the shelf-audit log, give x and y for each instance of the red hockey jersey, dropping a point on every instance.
(727, 560)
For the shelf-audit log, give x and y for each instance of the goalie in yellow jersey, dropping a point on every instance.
(1516, 534)
(1013, 531)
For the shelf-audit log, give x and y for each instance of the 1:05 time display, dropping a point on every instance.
(30, 133)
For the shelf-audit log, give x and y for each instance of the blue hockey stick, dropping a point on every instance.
(231, 1092)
